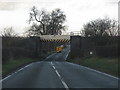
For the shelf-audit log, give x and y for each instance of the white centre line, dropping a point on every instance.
(57, 73)
(53, 67)
(63, 82)
(52, 64)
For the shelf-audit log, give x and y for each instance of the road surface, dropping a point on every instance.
(55, 72)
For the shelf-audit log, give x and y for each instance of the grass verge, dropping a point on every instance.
(107, 65)
(13, 65)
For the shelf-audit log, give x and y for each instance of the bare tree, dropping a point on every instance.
(113, 30)
(8, 32)
(36, 15)
(101, 27)
(47, 23)
(57, 20)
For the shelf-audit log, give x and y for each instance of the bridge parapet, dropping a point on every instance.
(55, 38)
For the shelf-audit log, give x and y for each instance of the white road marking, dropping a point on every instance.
(63, 82)
(53, 67)
(100, 72)
(20, 70)
(23, 68)
(52, 63)
(95, 70)
(15, 72)
(67, 55)
(50, 55)
(65, 85)
(57, 73)
(5, 78)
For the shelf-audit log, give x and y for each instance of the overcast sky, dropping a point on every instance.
(15, 13)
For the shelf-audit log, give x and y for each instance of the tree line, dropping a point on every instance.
(43, 22)
(101, 27)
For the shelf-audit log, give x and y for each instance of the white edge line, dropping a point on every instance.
(18, 71)
(101, 72)
(67, 55)
(50, 55)
(63, 82)
(5, 78)
(96, 71)
(15, 72)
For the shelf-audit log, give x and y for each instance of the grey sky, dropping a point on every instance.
(15, 12)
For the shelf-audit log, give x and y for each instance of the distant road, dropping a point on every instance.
(55, 72)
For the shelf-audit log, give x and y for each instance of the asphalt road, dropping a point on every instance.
(55, 72)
